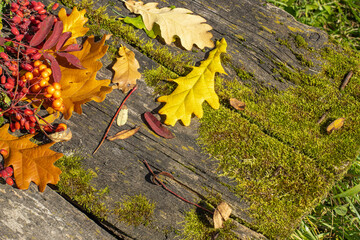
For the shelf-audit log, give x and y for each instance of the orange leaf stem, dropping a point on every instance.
(113, 119)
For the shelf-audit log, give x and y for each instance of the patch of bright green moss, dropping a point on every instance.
(75, 182)
(300, 41)
(198, 226)
(283, 162)
(135, 210)
(157, 77)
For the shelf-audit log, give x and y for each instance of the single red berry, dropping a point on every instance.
(12, 127)
(14, 7)
(32, 124)
(32, 131)
(36, 56)
(42, 11)
(4, 56)
(16, 19)
(17, 125)
(3, 152)
(32, 119)
(15, 31)
(22, 121)
(3, 79)
(41, 4)
(19, 13)
(8, 86)
(27, 125)
(25, 90)
(10, 181)
(3, 173)
(9, 170)
(28, 112)
(19, 37)
(18, 116)
(56, 5)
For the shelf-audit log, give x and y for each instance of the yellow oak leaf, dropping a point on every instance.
(191, 29)
(74, 23)
(194, 89)
(79, 85)
(126, 70)
(31, 163)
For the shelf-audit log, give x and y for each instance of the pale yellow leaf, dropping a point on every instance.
(123, 116)
(62, 136)
(126, 70)
(124, 134)
(335, 125)
(221, 214)
(191, 29)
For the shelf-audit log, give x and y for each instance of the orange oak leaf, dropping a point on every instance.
(80, 85)
(31, 163)
(74, 23)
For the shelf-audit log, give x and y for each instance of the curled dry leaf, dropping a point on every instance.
(157, 126)
(124, 134)
(221, 214)
(62, 136)
(123, 116)
(238, 105)
(335, 125)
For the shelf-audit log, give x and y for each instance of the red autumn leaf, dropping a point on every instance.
(54, 37)
(73, 47)
(44, 29)
(55, 68)
(71, 59)
(62, 39)
(157, 126)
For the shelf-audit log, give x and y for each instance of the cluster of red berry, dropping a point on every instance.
(6, 173)
(22, 74)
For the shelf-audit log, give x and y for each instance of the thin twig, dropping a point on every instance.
(346, 80)
(113, 119)
(167, 189)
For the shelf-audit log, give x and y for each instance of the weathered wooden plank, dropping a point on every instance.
(33, 215)
(253, 30)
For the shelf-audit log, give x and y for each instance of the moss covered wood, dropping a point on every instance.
(272, 162)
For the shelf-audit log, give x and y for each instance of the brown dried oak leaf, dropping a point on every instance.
(126, 70)
(31, 162)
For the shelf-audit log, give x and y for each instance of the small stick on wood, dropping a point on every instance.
(113, 119)
(167, 189)
(346, 80)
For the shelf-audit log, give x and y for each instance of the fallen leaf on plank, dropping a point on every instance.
(237, 104)
(123, 116)
(221, 214)
(62, 136)
(124, 134)
(157, 126)
(335, 125)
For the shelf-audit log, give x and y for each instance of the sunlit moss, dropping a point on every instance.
(75, 182)
(135, 210)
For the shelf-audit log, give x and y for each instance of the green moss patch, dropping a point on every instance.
(75, 182)
(281, 160)
(135, 210)
(198, 226)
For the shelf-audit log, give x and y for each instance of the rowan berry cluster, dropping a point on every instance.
(25, 80)
(6, 173)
